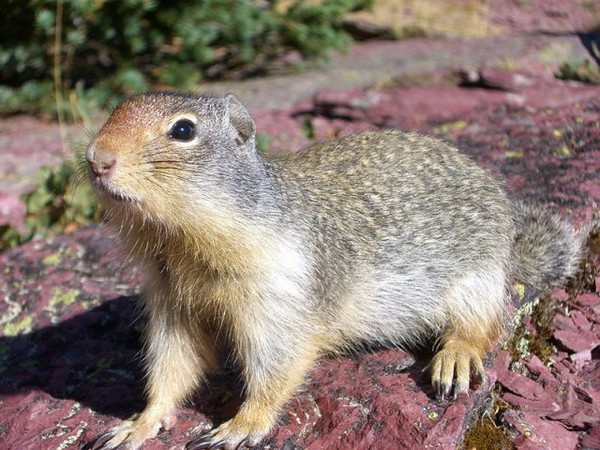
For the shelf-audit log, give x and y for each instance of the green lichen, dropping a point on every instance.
(562, 151)
(525, 342)
(52, 260)
(63, 296)
(18, 327)
(456, 125)
(433, 415)
(512, 154)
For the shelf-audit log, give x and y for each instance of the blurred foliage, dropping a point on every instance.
(60, 202)
(107, 48)
(584, 71)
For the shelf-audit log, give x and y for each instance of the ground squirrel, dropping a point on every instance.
(380, 238)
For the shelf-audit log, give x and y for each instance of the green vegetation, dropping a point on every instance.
(61, 202)
(90, 52)
(584, 71)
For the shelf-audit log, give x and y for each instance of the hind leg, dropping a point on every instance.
(475, 310)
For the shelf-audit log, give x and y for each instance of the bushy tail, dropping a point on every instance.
(546, 250)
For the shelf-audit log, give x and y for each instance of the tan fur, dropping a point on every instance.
(386, 238)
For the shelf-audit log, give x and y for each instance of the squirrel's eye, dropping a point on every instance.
(183, 130)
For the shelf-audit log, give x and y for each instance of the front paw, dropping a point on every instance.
(129, 434)
(451, 369)
(231, 435)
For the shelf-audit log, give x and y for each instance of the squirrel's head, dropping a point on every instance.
(160, 155)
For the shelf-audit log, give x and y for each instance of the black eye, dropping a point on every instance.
(183, 130)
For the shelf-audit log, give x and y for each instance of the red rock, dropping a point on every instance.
(588, 393)
(504, 79)
(581, 357)
(546, 16)
(502, 361)
(76, 347)
(596, 316)
(560, 294)
(580, 320)
(522, 386)
(588, 299)
(11, 210)
(562, 322)
(281, 129)
(36, 420)
(541, 406)
(591, 439)
(592, 189)
(408, 108)
(577, 341)
(578, 410)
(541, 434)
(325, 128)
(537, 367)
(564, 367)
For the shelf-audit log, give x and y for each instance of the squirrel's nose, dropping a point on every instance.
(102, 164)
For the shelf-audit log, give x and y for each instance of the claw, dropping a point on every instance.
(217, 445)
(242, 444)
(123, 446)
(442, 390)
(98, 443)
(205, 442)
(202, 441)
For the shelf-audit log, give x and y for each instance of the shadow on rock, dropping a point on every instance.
(91, 358)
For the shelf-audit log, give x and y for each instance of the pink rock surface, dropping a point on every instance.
(550, 16)
(539, 434)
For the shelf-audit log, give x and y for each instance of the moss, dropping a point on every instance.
(486, 435)
(487, 432)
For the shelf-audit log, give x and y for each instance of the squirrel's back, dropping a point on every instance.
(398, 198)
(416, 191)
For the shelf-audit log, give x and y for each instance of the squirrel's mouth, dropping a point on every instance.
(107, 191)
(119, 197)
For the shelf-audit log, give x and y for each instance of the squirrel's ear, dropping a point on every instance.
(240, 120)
